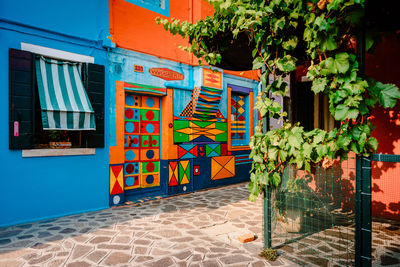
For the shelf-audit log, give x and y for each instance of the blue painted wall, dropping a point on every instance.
(38, 188)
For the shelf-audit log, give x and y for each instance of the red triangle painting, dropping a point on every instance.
(173, 181)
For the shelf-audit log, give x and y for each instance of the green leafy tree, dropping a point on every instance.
(283, 35)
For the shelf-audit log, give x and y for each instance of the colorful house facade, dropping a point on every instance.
(175, 127)
(178, 128)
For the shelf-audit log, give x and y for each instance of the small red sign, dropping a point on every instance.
(16, 128)
(166, 74)
(139, 68)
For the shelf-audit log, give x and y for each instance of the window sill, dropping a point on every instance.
(29, 153)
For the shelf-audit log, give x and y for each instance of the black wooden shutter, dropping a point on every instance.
(21, 99)
(94, 84)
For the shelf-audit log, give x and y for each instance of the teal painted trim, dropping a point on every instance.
(36, 220)
(178, 86)
(386, 157)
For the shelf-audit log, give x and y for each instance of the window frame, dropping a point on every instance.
(68, 56)
(248, 92)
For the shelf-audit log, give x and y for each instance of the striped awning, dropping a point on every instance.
(63, 99)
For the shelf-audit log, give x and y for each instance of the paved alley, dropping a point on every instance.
(197, 229)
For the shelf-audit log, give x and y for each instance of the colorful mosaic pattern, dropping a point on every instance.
(238, 120)
(213, 150)
(207, 103)
(199, 131)
(179, 172)
(222, 167)
(184, 172)
(116, 179)
(142, 141)
(187, 151)
(190, 107)
(173, 173)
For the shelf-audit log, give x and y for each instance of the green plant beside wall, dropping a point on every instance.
(287, 34)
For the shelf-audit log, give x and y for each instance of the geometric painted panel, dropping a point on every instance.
(173, 173)
(149, 167)
(149, 127)
(187, 151)
(213, 150)
(131, 140)
(131, 155)
(132, 127)
(149, 180)
(222, 167)
(116, 179)
(142, 139)
(150, 102)
(149, 115)
(131, 114)
(207, 103)
(184, 171)
(131, 181)
(199, 131)
(131, 168)
(149, 154)
(150, 141)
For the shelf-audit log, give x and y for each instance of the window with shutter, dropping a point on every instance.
(54, 101)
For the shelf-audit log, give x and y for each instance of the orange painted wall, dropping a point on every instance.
(134, 28)
(384, 66)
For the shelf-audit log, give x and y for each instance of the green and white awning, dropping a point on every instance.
(63, 99)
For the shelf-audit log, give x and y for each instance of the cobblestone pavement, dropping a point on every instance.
(197, 229)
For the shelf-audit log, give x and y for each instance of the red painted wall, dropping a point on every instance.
(384, 66)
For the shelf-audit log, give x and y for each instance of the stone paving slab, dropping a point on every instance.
(197, 229)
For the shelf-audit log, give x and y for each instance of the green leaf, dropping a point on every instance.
(388, 94)
(293, 141)
(319, 85)
(341, 112)
(342, 62)
(328, 44)
(286, 64)
(290, 44)
(257, 63)
(373, 143)
(353, 114)
(343, 141)
(275, 179)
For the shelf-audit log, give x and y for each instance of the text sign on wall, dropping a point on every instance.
(166, 74)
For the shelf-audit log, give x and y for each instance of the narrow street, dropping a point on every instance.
(197, 229)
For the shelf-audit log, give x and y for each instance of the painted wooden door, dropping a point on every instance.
(142, 141)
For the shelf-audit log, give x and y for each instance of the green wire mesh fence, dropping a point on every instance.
(312, 216)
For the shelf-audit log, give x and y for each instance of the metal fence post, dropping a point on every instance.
(363, 234)
(267, 218)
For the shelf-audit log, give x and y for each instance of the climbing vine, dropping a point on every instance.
(283, 35)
